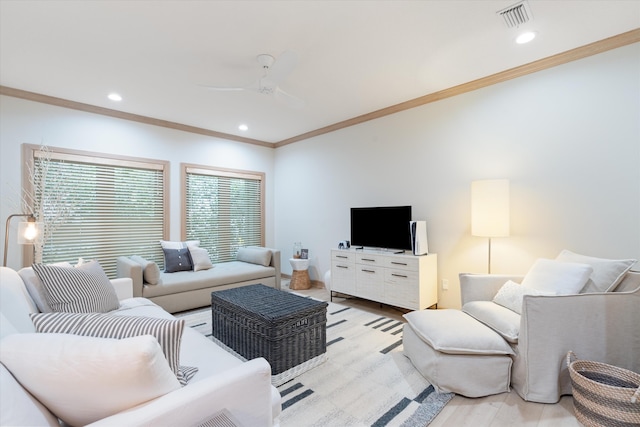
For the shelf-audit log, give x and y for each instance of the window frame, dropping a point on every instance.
(187, 168)
(31, 151)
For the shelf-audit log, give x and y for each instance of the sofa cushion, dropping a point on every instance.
(454, 332)
(168, 332)
(85, 379)
(150, 270)
(510, 295)
(19, 408)
(563, 278)
(254, 255)
(225, 273)
(74, 290)
(607, 273)
(501, 319)
(200, 258)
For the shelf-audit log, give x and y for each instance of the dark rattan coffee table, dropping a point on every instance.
(259, 321)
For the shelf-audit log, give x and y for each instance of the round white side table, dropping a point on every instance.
(300, 276)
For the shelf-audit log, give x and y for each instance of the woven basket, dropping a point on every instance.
(604, 395)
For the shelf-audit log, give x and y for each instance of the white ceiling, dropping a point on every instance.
(354, 57)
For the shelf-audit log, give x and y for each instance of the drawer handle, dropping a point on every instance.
(399, 275)
(341, 256)
(399, 263)
(368, 271)
(342, 266)
(368, 259)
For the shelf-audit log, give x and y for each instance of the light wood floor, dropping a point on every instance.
(501, 410)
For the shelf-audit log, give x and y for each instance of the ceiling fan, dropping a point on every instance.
(275, 71)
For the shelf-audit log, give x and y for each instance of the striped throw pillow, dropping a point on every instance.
(168, 332)
(73, 290)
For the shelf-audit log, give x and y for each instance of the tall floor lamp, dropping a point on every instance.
(28, 232)
(490, 210)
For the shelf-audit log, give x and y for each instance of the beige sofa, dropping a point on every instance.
(223, 387)
(185, 290)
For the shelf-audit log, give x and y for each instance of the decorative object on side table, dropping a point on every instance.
(297, 250)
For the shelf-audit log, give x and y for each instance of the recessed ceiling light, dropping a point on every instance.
(243, 127)
(114, 97)
(525, 37)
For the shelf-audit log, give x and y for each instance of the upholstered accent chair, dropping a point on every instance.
(600, 325)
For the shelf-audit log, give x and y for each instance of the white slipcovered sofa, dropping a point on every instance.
(41, 373)
(186, 290)
(526, 325)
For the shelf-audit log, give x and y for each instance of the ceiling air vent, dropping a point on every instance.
(516, 14)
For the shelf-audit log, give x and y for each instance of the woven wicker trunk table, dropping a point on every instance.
(259, 321)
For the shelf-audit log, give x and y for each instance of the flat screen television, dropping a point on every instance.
(384, 227)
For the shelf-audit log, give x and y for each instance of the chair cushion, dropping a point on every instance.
(454, 332)
(563, 278)
(85, 379)
(607, 273)
(502, 320)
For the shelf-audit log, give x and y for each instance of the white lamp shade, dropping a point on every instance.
(490, 208)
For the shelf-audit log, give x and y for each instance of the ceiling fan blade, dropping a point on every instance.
(288, 99)
(283, 66)
(222, 88)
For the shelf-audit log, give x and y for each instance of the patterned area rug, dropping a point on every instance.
(366, 380)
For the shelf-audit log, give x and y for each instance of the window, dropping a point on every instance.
(224, 209)
(97, 206)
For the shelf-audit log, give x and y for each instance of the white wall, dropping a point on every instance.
(568, 138)
(24, 121)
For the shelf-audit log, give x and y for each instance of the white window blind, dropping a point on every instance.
(117, 208)
(223, 209)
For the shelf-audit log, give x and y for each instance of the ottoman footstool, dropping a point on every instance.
(456, 353)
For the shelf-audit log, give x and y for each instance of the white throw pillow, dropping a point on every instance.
(77, 290)
(607, 273)
(499, 318)
(167, 244)
(253, 255)
(150, 270)
(511, 293)
(83, 379)
(561, 278)
(168, 332)
(200, 258)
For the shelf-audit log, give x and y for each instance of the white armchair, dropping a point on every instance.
(603, 326)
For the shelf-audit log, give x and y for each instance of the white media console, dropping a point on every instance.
(402, 280)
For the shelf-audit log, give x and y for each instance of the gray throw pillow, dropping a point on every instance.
(177, 260)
